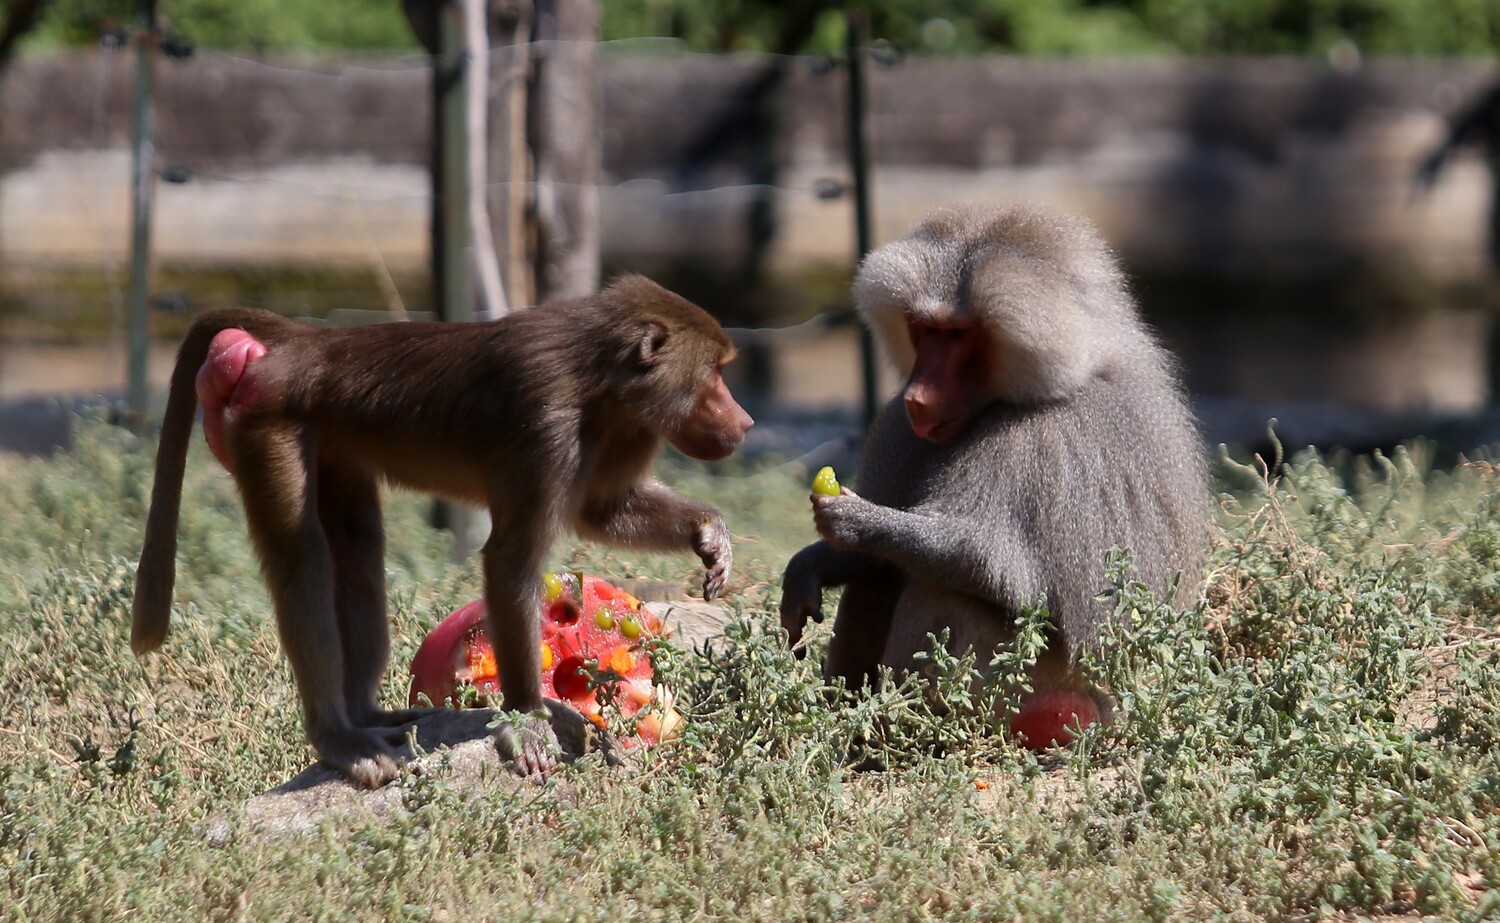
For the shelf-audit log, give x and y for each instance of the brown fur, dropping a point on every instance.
(1075, 438)
(549, 418)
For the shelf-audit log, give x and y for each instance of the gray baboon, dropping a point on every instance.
(1041, 424)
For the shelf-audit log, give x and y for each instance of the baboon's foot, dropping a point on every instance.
(362, 755)
(529, 745)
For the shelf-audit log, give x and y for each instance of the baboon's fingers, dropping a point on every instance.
(715, 550)
(715, 580)
(801, 600)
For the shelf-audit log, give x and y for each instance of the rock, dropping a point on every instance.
(649, 590)
(37, 425)
(453, 746)
(692, 620)
(456, 746)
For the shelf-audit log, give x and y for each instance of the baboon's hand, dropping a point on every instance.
(801, 596)
(711, 544)
(844, 521)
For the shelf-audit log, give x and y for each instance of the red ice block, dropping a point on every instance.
(585, 619)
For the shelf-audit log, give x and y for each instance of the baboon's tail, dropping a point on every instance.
(158, 568)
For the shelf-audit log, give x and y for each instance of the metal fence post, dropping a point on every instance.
(142, 187)
(857, 26)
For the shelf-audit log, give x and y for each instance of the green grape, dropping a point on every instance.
(825, 483)
(552, 587)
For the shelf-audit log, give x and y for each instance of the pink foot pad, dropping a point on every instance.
(221, 384)
(1048, 718)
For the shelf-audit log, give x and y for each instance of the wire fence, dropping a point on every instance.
(413, 70)
(361, 203)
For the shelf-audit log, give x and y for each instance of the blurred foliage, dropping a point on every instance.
(242, 25)
(1097, 27)
(1089, 27)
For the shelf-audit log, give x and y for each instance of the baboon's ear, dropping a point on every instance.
(653, 338)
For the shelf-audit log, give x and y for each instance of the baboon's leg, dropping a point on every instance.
(277, 478)
(513, 555)
(349, 509)
(861, 629)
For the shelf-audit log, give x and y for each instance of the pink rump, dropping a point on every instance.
(221, 386)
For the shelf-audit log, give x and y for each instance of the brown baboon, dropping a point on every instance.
(1041, 424)
(549, 418)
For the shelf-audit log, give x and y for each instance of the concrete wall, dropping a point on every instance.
(1264, 166)
(1222, 170)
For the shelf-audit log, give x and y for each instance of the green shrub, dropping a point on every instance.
(1315, 736)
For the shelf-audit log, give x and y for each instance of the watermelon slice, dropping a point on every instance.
(583, 619)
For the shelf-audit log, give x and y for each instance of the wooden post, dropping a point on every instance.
(142, 187)
(510, 160)
(544, 149)
(565, 147)
(554, 235)
(482, 258)
(450, 215)
(451, 176)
